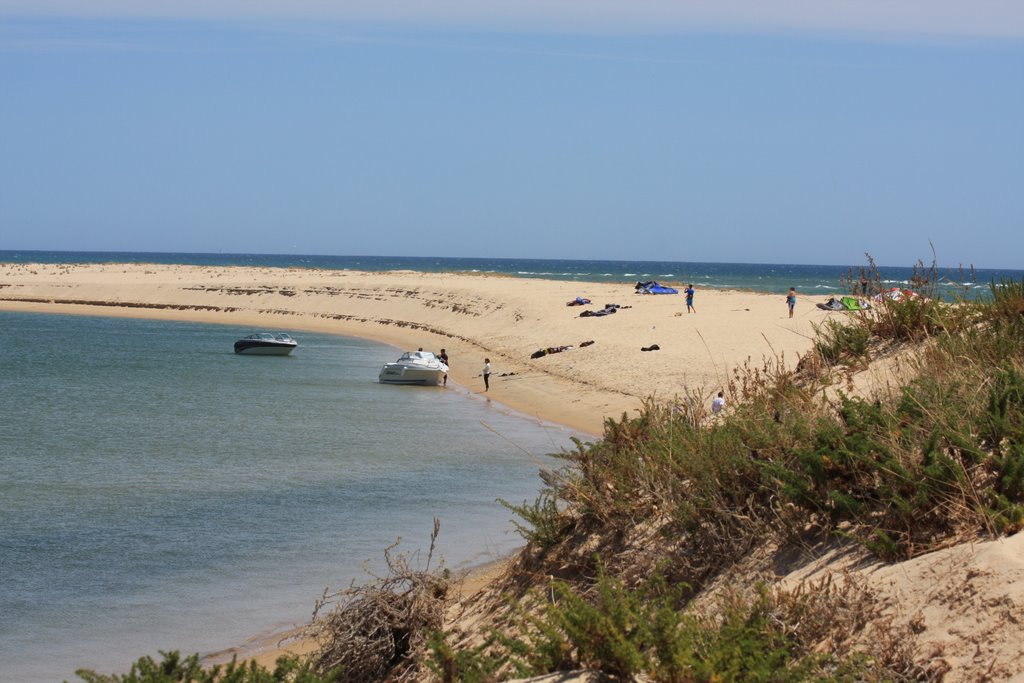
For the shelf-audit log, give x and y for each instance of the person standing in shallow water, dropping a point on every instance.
(487, 374)
(444, 359)
(791, 300)
(689, 299)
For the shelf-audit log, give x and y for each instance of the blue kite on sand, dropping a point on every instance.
(652, 287)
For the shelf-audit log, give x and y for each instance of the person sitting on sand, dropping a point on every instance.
(718, 403)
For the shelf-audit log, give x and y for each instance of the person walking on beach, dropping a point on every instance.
(718, 403)
(791, 300)
(444, 359)
(689, 299)
(487, 374)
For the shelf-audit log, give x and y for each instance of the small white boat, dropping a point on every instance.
(266, 344)
(414, 367)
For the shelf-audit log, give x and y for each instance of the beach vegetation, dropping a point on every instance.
(673, 501)
(932, 463)
(836, 341)
(173, 668)
(1007, 300)
(541, 520)
(449, 663)
(380, 629)
(761, 634)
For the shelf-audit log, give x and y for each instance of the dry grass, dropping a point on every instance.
(377, 631)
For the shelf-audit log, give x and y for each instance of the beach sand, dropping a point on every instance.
(473, 316)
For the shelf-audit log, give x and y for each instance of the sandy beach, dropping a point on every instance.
(472, 316)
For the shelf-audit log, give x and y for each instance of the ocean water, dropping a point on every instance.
(759, 277)
(159, 492)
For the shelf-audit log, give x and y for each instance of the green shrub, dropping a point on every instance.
(1007, 299)
(1004, 417)
(909, 319)
(174, 669)
(543, 520)
(623, 632)
(836, 341)
(472, 665)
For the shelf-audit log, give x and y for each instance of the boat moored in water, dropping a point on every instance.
(414, 367)
(266, 344)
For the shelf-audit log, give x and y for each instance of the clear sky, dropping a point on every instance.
(736, 130)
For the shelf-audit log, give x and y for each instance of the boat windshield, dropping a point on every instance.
(417, 355)
(267, 336)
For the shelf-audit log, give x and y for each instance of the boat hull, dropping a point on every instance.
(396, 373)
(263, 348)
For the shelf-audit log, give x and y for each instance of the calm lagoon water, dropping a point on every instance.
(159, 492)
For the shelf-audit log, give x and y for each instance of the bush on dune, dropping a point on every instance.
(175, 669)
(938, 463)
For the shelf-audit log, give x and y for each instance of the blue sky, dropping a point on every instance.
(690, 131)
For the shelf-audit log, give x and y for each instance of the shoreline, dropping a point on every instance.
(473, 316)
(266, 648)
(459, 381)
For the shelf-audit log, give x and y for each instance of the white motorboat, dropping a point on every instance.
(414, 367)
(266, 344)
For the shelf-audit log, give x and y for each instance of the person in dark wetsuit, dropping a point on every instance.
(444, 359)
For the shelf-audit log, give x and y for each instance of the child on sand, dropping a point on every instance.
(487, 374)
(791, 300)
(689, 299)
